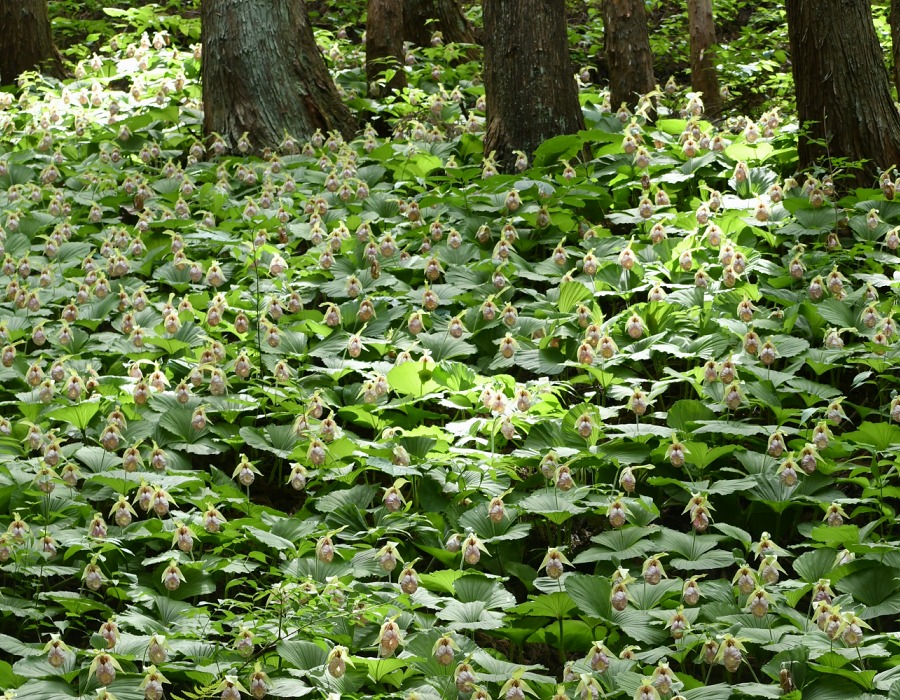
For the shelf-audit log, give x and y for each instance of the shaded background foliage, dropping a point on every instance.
(647, 426)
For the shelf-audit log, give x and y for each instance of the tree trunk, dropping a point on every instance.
(704, 77)
(264, 75)
(843, 91)
(25, 40)
(528, 78)
(628, 55)
(384, 45)
(422, 18)
(894, 20)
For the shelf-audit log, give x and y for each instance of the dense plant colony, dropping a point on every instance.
(371, 419)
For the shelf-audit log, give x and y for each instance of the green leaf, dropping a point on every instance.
(684, 413)
(837, 313)
(555, 505)
(286, 687)
(279, 440)
(876, 587)
(698, 552)
(831, 688)
(734, 532)
(878, 436)
(8, 679)
(475, 587)
(45, 690)
(571, 294)
(749, 152)
(758, 690)
(591, 594)
(79, 415)
(358, 496)
(719, 691)
(811, 566)
(379, 668)
(441, 581)
(268, 539)
(96, 459)
(558, 148)
(545, 361)
(475, 615)
(302, 654)
(417, 166)
(13, 646)
(621, 544)
(412, 379)
(557, 605)
(728, 427)
(702, 455)
(843, 534)
(443, 346)
(820, 391)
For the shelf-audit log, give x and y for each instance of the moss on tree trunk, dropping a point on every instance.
(264, 75)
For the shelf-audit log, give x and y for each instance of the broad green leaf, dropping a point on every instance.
(286, 687)
(475, 615)
(359, 496)
(571, 294)
(302, 654)
(79, 415)
(412, 379)
(474, 587)
(268, 539)
(620, 544)
(719, 691)
(837, 313)
(830, 688)
(441, 581)
(879, 436)
(844, 534)
(684, 413)
(279, 440)
(733, 428)
(557, 605)
(557, 506)
(591, 594)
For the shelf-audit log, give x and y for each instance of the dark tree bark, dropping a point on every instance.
(704, 77)
(422, 18)
(843, 91)
(894, 20)
(628, 55)
(528, 78)
(264, 75)
(25, 40)
(384, 44)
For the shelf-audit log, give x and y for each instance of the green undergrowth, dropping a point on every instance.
(368, 419)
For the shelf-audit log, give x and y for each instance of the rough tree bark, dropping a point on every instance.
(843, 91)
(704, 77)
(25, 40)
(422, 18)
(894, 20)
(528, 78)
(628, 55)
(264, 75)
(384, 44)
